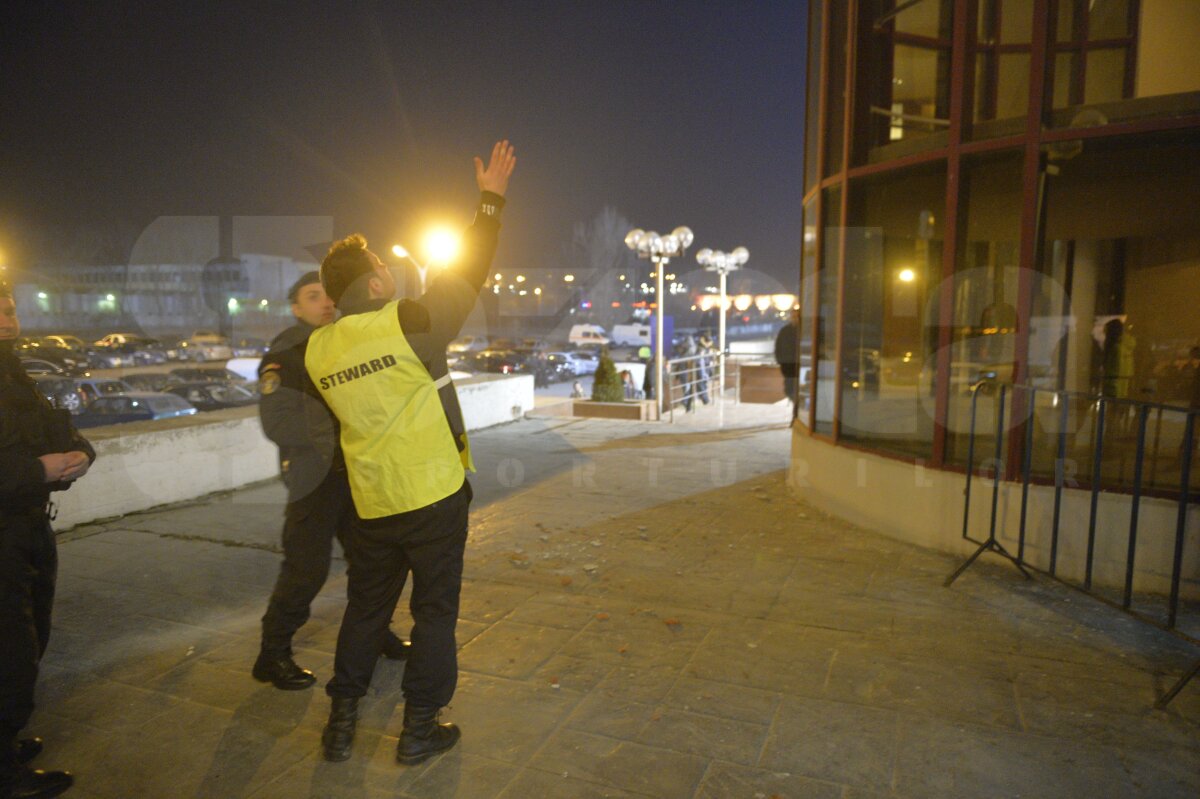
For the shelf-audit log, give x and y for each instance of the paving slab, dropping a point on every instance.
(646, 612)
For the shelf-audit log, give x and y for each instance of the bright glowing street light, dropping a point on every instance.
(399, 251)
(441, 245)
(659, 250)
(907, 275)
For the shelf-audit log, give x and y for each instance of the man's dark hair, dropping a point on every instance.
(346, 262)
(307, 279)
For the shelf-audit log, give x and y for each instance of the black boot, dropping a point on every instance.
(338, 736)
(28, 749)
(282, 672)
(395, 648)
(30, 784)
(423, 736)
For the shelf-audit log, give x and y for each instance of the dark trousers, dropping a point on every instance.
(429, 542)
(309, 527)
(28, 568)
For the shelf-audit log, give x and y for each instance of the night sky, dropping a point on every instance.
(673, 113)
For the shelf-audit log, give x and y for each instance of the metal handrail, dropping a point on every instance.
(1062, 400)
(689, 372)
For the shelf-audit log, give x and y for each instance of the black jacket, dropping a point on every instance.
(437, 317)
(298, 422)
(29, 428)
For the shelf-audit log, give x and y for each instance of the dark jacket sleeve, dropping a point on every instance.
(282, 406)
(444, 308)
(20, 474)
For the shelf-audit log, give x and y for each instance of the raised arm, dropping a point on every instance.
(452, 294)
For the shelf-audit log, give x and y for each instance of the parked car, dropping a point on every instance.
(207, 374)
(138, 406)
(496, 362)
(92, 388)
(584, 362)
(204, 345)
(43, 366)
(151, 381)
(66, 359)
(249, 348)
(563, 363)
(468, 344)
(60, 391)
(65, 341)
(213, 396)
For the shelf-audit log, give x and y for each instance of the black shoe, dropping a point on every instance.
(28, 749)
(282, 672)
(31, 784)
(423, 737)
(394, 648)
(338, 736)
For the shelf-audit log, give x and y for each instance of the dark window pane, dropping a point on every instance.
(808, 278)
(1012, 90)
(1065, 27)
(983, 316)
(889, 327)
(813, 121)
(1016, 22)
(835, 88)
(1064, 64)
(928, 18)
(1105, 76)
(827, 286)
(1108, 19)
(983, 69)
(1130, 271)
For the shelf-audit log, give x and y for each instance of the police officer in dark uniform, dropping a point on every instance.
(40, 452)
(319, 505)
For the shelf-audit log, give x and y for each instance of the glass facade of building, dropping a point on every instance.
(1004, 191)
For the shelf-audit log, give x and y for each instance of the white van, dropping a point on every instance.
(582, 335)
(634, 335)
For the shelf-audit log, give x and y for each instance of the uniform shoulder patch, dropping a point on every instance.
(269, 383)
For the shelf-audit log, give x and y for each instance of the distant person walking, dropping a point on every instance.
(787, 355)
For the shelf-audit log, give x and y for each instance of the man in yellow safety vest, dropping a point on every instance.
(381, 368)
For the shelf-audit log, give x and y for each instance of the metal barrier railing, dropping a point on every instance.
(695, 376)
(1061, 400)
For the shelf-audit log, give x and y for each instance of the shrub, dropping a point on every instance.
(606, 385)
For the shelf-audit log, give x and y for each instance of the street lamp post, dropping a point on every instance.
(722, 263)
(659, 250)
(399, 251)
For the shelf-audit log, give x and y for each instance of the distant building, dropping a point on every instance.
(242, 296)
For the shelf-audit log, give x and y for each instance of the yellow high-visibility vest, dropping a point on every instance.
(399, 450)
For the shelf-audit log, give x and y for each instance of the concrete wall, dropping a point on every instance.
(925, 507)
(146, 464)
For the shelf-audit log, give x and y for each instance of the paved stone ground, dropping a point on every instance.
(646, 612)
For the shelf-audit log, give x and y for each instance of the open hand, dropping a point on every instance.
(495, 177)
(60, 466)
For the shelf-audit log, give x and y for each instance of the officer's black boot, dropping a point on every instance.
(339, 730)
(18, 781)
(423, 736)
(280, 670)
(28, 749)
(395, 648)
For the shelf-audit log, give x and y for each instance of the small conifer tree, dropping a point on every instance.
(606, 385)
